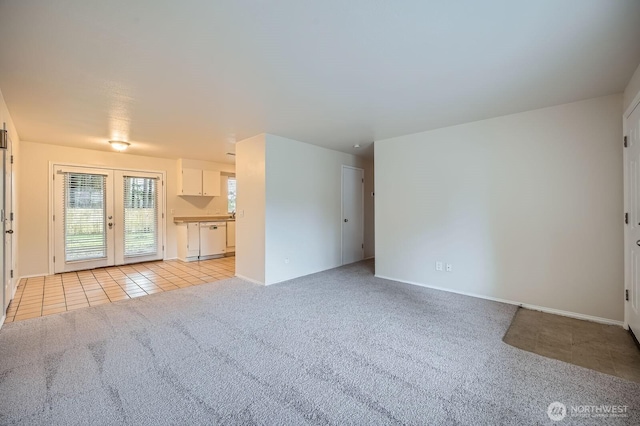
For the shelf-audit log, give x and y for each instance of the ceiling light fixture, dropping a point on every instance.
(119, 145)
(357, 145)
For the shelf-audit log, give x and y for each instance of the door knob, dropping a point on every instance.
(638, 242)
(346, 220)
(10, 231)
(110, 224)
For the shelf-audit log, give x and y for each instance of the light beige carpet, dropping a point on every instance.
(338, 347)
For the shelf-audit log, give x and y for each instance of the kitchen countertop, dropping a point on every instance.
(184, 219)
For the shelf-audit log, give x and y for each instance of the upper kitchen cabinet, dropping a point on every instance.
(210, 183)
(198, 182)
(190, 182)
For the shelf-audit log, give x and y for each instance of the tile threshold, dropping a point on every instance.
(53, 294)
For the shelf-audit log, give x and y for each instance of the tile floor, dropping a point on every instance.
(606, 348)
(64, 292)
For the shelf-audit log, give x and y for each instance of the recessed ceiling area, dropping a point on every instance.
(185, 79)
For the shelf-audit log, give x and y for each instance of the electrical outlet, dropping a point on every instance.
(438, 266)
(449, 267)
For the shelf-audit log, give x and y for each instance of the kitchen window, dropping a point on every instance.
(231, 195)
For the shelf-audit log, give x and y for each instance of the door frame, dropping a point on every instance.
(51, 205)
(119, 226)
(5, 282)
(12, 204)
(627, 265)
(59, 210)
(342, 210)
(9, 278)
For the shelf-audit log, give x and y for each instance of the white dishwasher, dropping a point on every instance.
(213, 238)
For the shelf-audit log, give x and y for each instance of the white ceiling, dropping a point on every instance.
(182, 78)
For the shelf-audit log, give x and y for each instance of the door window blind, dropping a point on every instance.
(84, 216)
(140, 216)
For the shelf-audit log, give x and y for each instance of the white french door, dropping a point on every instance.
(105, 217)
(138, 226)
(83, 218)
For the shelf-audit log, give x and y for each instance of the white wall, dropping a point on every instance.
(250, 208)
(527, 207)
(303, 208)
(33, 231)
(632, 89)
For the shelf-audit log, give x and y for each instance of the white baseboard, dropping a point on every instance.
(370, 257)
(213, 256)
(512, 302)
(249, 279)
(32, 276)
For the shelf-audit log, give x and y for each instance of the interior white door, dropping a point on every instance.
(138, 217)
(632, 236)
(83, 218)
(7, 217)
(6, 294)
(352, 214)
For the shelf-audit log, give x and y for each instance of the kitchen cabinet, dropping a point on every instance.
(201, 240)
(210, 183)
(193, 239)
(188, 239)
(190, 182)
(231, 236)
(199, 183)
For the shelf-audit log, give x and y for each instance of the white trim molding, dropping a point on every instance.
(632, 105)
(511, 302)
(242, 277)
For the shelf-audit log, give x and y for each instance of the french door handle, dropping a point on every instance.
(638, 242)
(10, 231)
